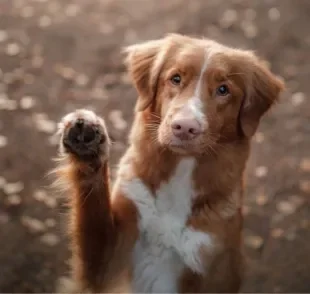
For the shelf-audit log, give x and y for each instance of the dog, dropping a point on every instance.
(172, 223)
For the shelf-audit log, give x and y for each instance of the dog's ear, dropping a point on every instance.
(144, 62)
(263, 91)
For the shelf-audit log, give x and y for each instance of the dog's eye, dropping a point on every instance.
(176, 79)
(222, 90)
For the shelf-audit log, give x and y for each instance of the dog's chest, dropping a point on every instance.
(156, 259)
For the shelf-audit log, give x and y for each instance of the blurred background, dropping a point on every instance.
(56, 56)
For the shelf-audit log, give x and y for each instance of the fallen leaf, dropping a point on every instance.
(116, 118)
(44, 21)
(259, 137)
(254, 242)
(2, 182)
(250, 30)
(277, 233)
(304, 186)
(72, 10)
(32, 224)
(298, 98)
(8, 78)
(305, 164)
(106, 29)
(44, 124)
(261, 171)
(11, 105)
(13, 188)
(27, 102)
(14, 199)
(53, 140)
(99, 93)
(81, 80)
(50, 202)
(29, 79)
(42, 196)
(286, 207)
(305, 224)
(50, 222)
(13, 49)
(3, 36)
(229, 17)
(53, 7)
(125, 78)
(37, 61)
(50, 239)
(3, 141)
(27, 12)
(64, 283)
(291, 70)
(261, 199)
(274, 14)
(246, 210)
(66, 72)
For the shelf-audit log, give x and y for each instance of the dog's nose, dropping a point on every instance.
(186, 129)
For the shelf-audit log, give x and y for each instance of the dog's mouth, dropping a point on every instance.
(182, 146)
(180, 150)
(178, 147)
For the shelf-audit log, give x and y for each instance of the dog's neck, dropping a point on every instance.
(216, 175)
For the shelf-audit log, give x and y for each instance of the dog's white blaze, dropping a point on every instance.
(195, 104)
(195, 107)
(166, 245)
(202, 72)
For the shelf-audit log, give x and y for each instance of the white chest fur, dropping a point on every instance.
(166, 245)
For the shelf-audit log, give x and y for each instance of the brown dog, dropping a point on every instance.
(173, 220)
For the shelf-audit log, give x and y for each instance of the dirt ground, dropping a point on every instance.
(56, 56)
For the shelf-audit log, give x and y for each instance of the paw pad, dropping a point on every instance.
(83, 134)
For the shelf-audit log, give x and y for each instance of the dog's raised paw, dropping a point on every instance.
(84, 135)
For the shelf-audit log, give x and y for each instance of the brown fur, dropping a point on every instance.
(104, 228)
(97, 230)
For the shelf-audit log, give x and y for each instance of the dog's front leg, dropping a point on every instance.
(102, 232)
(193, 246)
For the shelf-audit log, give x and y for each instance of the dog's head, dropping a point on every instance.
(196, 93)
